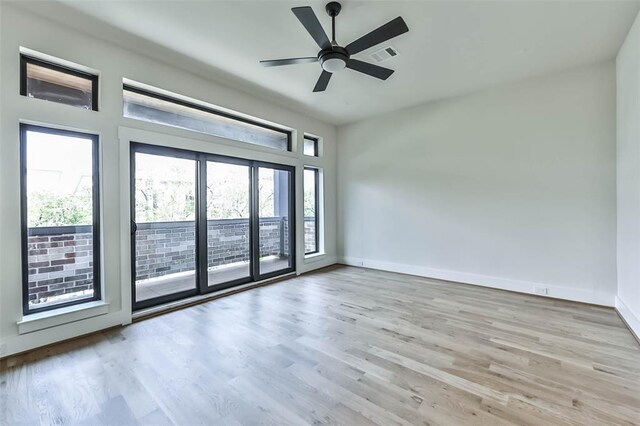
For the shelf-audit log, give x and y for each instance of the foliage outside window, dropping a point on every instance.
(164, 189)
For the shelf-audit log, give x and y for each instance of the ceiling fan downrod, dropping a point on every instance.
(333, 9)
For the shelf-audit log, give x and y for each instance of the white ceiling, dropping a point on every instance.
(452, 47)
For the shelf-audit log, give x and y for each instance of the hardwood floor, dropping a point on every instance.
(341, 346)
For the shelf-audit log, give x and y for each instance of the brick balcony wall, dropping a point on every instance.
(60, 261)
(61, 258)
(309, 234)
(164, 248)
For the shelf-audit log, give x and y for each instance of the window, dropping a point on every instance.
(311, 210)
(60, 218)
(310, 146)
(144, 105)
(51, 82)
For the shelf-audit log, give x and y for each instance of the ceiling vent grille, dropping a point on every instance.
(384, 54)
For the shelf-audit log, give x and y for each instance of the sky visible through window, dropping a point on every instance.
(59, 180)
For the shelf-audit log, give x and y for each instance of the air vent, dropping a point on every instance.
(384, 54)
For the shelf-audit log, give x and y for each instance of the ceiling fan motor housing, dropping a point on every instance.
(334, 59)
(333, 8)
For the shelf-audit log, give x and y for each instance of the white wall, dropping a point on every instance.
(20, 28)
(513, 187)
(628, 181)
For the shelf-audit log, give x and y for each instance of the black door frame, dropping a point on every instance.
(201, 237)
(165, 152)
(203, 248)
(255, 216)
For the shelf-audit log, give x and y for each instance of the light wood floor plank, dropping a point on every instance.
(341, 346)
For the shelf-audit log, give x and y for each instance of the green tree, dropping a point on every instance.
(164, 201)
(46, 209)
(309, 202)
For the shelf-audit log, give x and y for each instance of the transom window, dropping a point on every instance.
(310, 146)
(145, 105)
(51, 82)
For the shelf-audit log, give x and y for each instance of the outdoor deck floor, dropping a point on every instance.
(149, 289)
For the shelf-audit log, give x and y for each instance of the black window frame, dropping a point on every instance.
(96, 225)
(316, 178)
(213, 111)
(316, 143)
(26, 59)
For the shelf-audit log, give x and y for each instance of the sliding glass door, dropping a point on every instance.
(274, 200)
(228, 223)
(202, 223)
(164, 224)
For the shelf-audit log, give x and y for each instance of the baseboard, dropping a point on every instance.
(553, 291)
(632, 321)
(314, 262)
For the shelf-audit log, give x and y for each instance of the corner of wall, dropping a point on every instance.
(628, 179)
(631, 320)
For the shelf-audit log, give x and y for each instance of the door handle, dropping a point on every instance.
(134, 227)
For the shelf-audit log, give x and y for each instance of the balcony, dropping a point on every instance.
(60, 257)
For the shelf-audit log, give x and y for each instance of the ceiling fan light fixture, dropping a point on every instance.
(334, 65)
(333, 60)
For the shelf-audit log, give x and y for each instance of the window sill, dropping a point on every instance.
(314, 257)
(53, 318)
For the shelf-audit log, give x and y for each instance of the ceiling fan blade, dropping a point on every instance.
(323, 81)
(289, 61)
(310, 21)
(388, 31)
(369, 69)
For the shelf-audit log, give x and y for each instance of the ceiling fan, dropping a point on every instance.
(332, 56)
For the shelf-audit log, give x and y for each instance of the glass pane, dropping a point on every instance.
(310, 211)
(310, 147)
(59, 184)
(228, 244)
(274, 223)
(165, 197)
(148, 108)
(58, 86)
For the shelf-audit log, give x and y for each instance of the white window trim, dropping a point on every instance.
(42, 320)
(314, 257)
